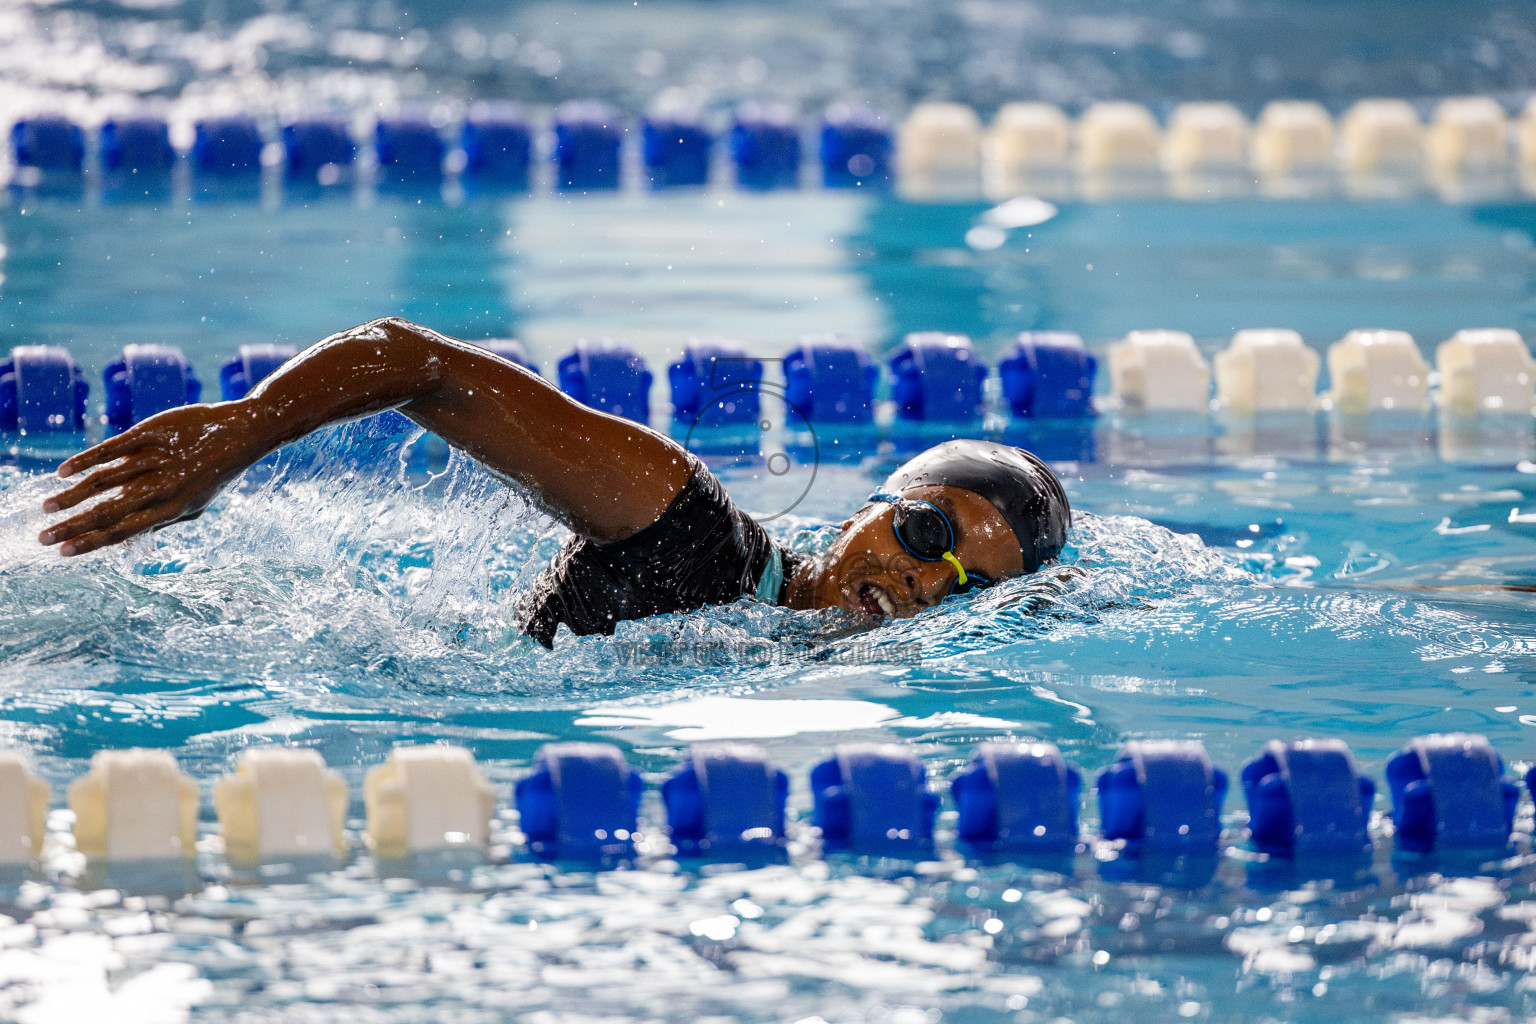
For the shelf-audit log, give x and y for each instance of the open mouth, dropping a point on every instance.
(875, 601)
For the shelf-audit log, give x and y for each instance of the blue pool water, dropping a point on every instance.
(1240, 583)
(1237, 581)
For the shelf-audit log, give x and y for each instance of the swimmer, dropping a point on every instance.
(655, 531)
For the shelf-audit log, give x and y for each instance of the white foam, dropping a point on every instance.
(1293, 135)
(721, 717)
(23, 810)
(1117, 137)
(1206, 135)
(134, 805)
(1382, 134)
(1485, 369)
(1159, 370)
(1267, 369)
(1377, 371)
(281, 802)
(427, 798)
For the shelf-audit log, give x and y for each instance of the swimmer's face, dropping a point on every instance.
(869, 574)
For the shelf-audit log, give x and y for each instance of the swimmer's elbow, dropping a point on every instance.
(396, 328)
(404, 343)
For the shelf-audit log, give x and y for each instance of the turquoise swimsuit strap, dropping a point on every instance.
(772, 580)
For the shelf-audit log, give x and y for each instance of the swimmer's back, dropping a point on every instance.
(703, 550)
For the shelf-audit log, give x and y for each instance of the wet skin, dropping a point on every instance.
(868, 573)
(606, 478)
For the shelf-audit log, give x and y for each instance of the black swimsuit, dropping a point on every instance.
(703, 550)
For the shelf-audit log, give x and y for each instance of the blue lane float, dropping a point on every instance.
(676, 149)
(856, 148)
(1163, 797)
(42, 391)
(410, 150)
(1449, 793)
(253, 362)
(317, 149)
(50, 144)
(874, 799)
(136, 145)
(831, 380)
(227, 147)
(765, 147)
(937, 378)
(1306, 799)
(145, 380)
(511, 350)
(498, 147)
(587, 145)
(1018, 797)
(726, 800)
(716, 383)
(608, 376)
(582, 802)
(856, 145)
(1048, 374)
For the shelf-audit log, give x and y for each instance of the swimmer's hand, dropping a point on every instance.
(603, 476)
(165, 470)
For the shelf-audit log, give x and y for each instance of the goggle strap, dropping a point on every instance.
(949, 556)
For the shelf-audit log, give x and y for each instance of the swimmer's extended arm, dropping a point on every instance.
(606, 477)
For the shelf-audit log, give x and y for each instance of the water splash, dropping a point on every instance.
(1110, 563)
(336, 569)
(357, 601)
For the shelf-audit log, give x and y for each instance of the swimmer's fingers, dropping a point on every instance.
(103, 479)
(99, 517)
(107, 451)
(118, 532)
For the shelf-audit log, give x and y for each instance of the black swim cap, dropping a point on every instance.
(1016, 482)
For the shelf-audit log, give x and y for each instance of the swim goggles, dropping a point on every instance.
(926, 532)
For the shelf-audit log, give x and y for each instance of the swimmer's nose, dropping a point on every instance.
(914, 585)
